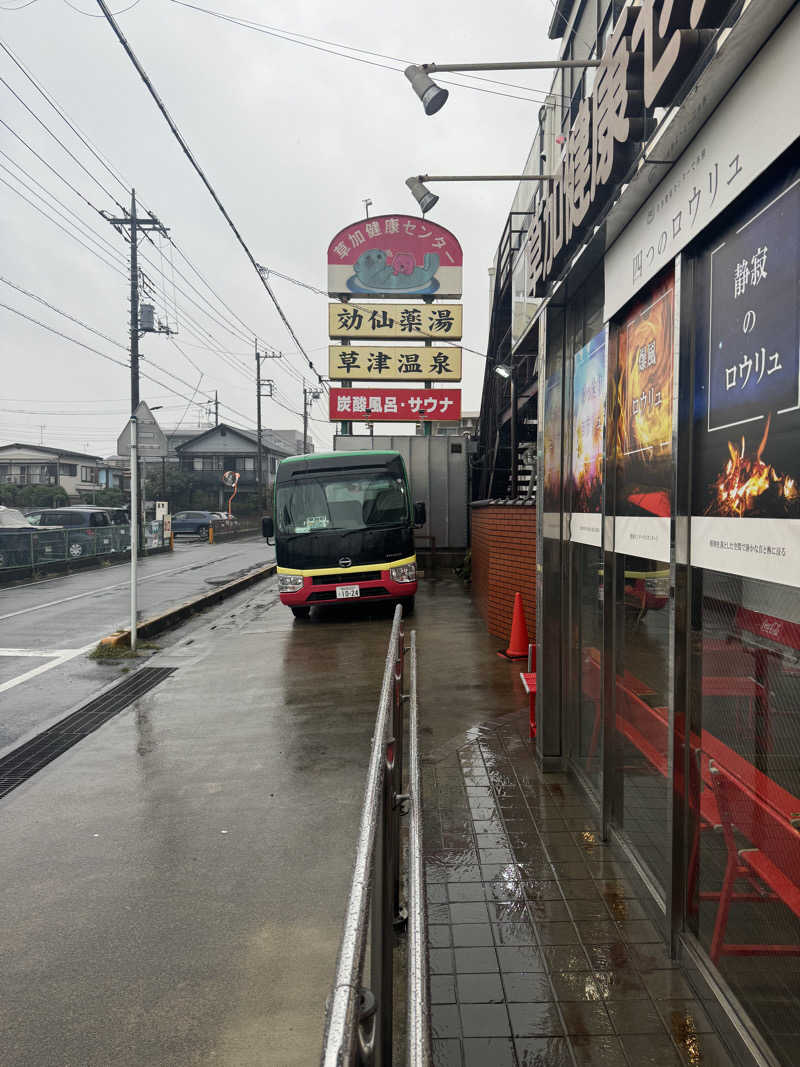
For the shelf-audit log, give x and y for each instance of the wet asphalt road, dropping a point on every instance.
(48, 628)
(174, 885)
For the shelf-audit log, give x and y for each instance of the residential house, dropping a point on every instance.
(76, 472)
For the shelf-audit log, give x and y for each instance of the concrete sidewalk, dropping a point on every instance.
(542, 949)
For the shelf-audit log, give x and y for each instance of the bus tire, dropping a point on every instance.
(301, 612)
(407, 604)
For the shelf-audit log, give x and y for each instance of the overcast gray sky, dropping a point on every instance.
(291, 137)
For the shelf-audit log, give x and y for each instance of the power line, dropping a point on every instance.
(201, 174)
(58, 141)
(60, 227)
(305, 40)
(96, 351)
(50, 99)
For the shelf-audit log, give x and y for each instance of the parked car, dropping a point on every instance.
(89, 530)
(21, 544)
(193, 522)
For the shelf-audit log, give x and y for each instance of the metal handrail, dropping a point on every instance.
(341, 1025)
(419, 1016)
(358, 1025)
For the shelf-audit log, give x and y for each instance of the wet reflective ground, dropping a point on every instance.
(541, 953)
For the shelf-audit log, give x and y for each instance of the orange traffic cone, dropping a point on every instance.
(518, 645)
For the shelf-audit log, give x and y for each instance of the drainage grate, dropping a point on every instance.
(21, 764)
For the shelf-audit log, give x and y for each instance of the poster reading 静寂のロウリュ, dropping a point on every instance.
(644, 426)
(746, 461)
(588, 440)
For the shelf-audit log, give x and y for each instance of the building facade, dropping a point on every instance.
(646, 298)
(206, 456)
(75, 472)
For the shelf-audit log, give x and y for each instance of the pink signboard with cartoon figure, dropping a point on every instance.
(394, 256)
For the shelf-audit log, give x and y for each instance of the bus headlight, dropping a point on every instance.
(406, 573)
(290, 583)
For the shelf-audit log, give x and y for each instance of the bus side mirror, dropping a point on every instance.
(267, 527)
(420, 514)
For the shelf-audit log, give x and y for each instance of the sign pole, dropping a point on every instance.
(134, 528)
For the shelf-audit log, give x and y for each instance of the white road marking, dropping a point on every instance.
(57, 660)
(35, 652)
(108, 588)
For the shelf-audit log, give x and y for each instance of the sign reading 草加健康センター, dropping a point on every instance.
(399, 363)
(395, 405)
(394, 256)
(746, 470)
(649, 55)
(384, 322)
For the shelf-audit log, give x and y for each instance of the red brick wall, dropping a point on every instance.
(504, 563)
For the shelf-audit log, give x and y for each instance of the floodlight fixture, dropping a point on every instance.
(503, 370)
(433, 96)
(423, 196)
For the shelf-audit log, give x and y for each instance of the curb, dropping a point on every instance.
(166, 619)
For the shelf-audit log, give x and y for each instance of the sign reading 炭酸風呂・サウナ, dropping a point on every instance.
(394, 256)
(384, 322)
(746, 463)
(588, 422)
(644, 437)
(409, 363)
(648, 57)
(395, 405)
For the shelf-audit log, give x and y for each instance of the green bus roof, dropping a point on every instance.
(340, 455)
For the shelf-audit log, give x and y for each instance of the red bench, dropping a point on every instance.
(773, 861)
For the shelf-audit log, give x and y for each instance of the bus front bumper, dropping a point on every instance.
(381, 587)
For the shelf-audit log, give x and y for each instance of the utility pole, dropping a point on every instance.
(131, 226)
(216, 408)
(309, 396)
(260, 386)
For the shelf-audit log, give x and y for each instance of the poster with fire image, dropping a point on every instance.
(588, 422)
(551, 490)
(644, 427)
(746, 469)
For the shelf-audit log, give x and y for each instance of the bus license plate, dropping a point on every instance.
(344, 592)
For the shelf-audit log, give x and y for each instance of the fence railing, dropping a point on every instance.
(41, 544)
(359, 1024)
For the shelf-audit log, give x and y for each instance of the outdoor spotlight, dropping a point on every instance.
(433, 97)
(503, 370)
(424, 197)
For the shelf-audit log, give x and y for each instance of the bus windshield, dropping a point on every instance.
(340, 500)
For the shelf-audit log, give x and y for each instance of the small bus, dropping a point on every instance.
(343, 524)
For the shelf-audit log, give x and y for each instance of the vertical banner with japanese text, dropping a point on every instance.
(551, 490)
(588, 422)
(644, 427)
(746, 495)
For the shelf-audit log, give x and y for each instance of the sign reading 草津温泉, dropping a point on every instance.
(647, 59)
(745, 464)
(383, 322)
(394, 256)
(395, 405)
(400, 363)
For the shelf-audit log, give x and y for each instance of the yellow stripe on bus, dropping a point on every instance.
(345, 570)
